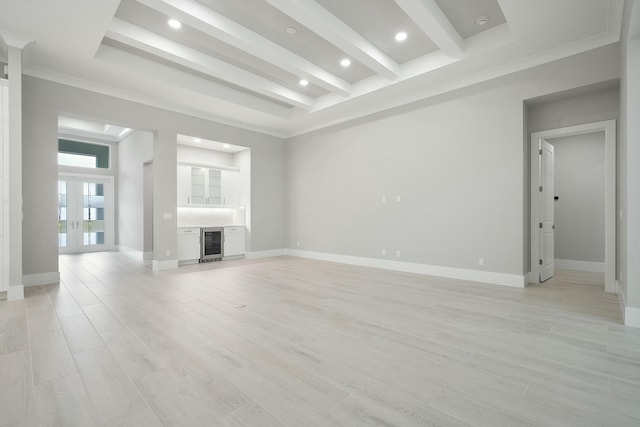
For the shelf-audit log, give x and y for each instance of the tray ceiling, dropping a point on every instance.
(241, 62)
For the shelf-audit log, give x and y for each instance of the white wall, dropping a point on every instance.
(44, 100)
(133, 152)
(580, 188)
(195, 155)
(457, 164)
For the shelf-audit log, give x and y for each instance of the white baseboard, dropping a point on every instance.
(188, 262)
(265, 254)
(167, 264)
(631, 314)
(133, 253)
(503, 279)
(41, 279)
(15, 292)
(570, 264)
(632, 317)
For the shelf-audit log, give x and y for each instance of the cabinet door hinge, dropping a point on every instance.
(540, 262)
(540, 224)
(540, 188)
(540, 152)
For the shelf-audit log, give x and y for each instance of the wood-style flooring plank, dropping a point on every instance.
(61, 402)
(80, 333)
(13, 326)
(111, 391)
(250, 415)
(50, 356)
(15, 388)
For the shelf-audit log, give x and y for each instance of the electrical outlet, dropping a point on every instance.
(384, 252)
(167, 252)
(397, 254)
(398, 199)
(383, 199)
(297, 244)
(480, 261)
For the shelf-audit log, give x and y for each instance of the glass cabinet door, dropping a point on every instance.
(198, 185)
(215, 187)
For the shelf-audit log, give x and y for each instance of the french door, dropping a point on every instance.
(85, 213)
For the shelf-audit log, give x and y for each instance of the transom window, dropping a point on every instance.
(82, 154)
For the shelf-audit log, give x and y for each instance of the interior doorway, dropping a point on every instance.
(542, 201)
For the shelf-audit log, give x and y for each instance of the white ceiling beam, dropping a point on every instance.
(323, 23)
(170, 50)
(115, 60)
(434, 23)
(206, 20)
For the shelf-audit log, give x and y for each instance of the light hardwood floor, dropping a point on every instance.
(294, 342)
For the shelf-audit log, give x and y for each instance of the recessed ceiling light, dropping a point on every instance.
(401, 36)
(304, 82)
(482, 20)
(291, 30)
(226, 145)
(174, 23)
(345, 62)
(197, 140)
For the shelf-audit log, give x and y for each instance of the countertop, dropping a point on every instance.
(210, 225)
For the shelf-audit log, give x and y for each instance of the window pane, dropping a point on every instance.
(78, 160)
(62, 214)
(99, 153)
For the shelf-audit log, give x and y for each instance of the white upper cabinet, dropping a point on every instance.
(199, 178)
(230, 187)
(205, 186)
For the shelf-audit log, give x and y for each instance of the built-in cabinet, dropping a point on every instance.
(206, 186)
(189, 243)
(4, 153)
(233, 242)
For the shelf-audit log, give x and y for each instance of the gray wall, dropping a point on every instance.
(242, 160)
(44, 100)
(148, 210)
(579, 185)
(133, 152)
(628, 242)
(574, 110)
(457, 163)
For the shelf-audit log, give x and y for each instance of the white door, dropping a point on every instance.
(547, 229)
(85, 214)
